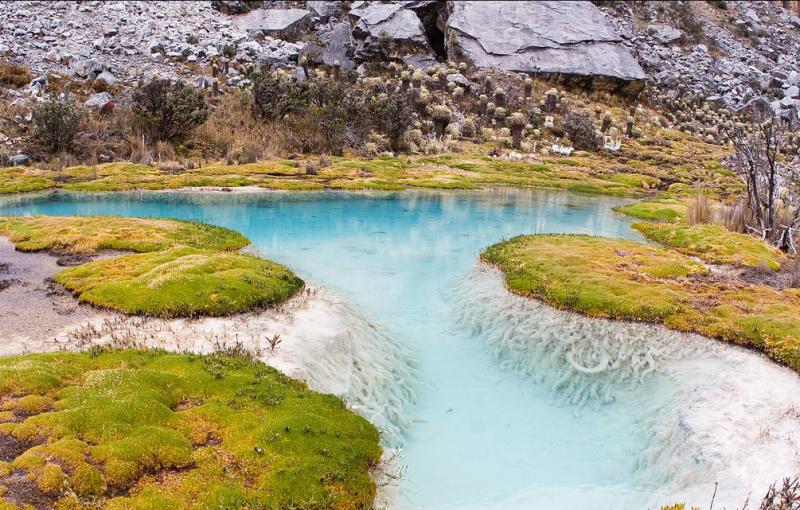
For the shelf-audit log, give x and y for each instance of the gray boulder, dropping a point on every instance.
(286, 24)
(323, 9)
(107, 78)
(20, 160)
(568, 38)
(337, 45)
(460, 80)
(391, 28)
(664, 34)
(98, 100)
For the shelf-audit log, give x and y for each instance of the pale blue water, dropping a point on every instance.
(483, 434)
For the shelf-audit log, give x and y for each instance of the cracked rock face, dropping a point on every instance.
(562, 37)
(283, 23)
(393, 22)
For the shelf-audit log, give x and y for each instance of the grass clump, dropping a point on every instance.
(132, 429)
(625, 280)
(664, 211)
(21, 180)
(713, 243)
(180, 268)
(181, 281)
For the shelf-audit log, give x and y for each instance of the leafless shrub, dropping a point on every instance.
(772, 181)
(785, 497)
(237, 349)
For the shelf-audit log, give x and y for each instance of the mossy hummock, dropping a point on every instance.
(625, 280)
(123, 429)
(180, 268)
(714, 243)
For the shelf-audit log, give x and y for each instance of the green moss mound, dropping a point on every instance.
(182, 281)
(181, 269)
(625, 280)
(91, 234)
(668, 212)
(115, 429)
(713, 243)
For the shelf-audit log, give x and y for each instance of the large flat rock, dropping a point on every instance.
(283, 23)
(387, 28)
(551, 37)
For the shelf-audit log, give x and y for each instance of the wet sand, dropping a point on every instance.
(33, 308)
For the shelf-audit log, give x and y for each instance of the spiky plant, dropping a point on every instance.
(441, 118)
(500, 116)
(516, 123)
(551, 100)
(606, 122)
(500, 97)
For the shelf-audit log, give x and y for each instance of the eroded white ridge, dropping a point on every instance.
(708, 411)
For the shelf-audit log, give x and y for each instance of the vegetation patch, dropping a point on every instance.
(181, 269)
(122, 429)
(625, 280)
(91, 234)
(684, 162)
(182, 281)
(664, 211)
(20, 180)
(713, 243)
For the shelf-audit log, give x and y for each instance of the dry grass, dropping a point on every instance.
(794, 274)
(232, 133)
(14, 75)
(699, 210)
(736, 217)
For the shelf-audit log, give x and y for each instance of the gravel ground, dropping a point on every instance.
(32, 307)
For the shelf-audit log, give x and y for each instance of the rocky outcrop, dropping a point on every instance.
(568, 38)
(387, 29)
(732, 53)
(286, 24)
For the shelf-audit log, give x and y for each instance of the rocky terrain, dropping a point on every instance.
(729, 53)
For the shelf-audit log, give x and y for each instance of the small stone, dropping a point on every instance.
(98, 101)
(107, 78)
(20, 160)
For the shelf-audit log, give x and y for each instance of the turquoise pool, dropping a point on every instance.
(487, 432)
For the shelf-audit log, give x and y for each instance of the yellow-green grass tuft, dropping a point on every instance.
(713, 243)
(669, 211)
(19, 180)
(625, 280)
(181, 282)
(91, 234)
(131, 429)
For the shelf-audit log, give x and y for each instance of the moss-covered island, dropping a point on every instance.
(179, 268)
(150, 430)
(626, 280)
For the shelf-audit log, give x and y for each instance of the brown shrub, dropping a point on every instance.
(737, 217)
(699, 210)
(232, 132)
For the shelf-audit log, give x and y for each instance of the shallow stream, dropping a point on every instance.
(517, 405)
